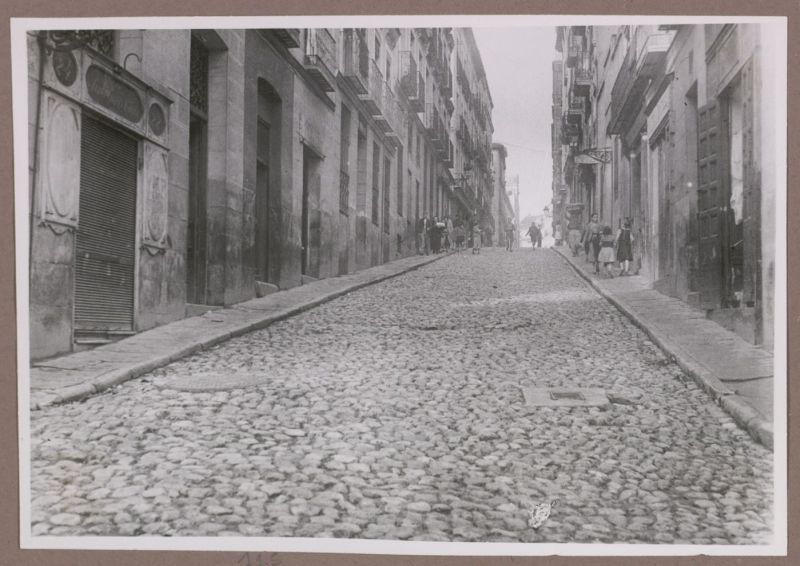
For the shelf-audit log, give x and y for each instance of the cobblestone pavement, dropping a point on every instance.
(397, 412)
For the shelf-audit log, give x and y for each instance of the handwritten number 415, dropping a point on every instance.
(249, 559)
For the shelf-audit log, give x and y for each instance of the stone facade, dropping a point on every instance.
(662, 125)
(255, 160)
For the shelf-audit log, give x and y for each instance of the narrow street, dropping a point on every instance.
(397, 411)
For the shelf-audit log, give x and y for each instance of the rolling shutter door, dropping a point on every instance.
(105, 242)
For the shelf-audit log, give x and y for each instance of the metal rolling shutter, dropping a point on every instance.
(105, 242)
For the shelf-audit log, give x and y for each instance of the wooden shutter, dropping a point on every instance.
(105, 244)
(709, 212)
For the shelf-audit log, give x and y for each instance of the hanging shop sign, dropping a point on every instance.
(593, 156)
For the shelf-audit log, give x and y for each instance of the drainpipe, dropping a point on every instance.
(40, 39)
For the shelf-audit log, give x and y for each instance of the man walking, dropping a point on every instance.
(535, 234)
(510, 229)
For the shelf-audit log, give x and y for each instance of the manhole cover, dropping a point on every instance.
(564, 397)
(574, 395)
(212, 381)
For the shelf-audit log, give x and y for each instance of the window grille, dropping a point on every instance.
(198, 77)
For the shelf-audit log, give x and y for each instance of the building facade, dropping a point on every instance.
(662, 126)
(502, 210)
(176, 171)
(472, 129)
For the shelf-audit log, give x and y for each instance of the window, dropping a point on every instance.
(376, 179)
(410, 140)
(419, 148)
(344, 153)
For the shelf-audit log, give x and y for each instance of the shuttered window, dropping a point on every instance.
(105, 242)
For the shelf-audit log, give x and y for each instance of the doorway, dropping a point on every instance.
(105, 251)
(309, 221)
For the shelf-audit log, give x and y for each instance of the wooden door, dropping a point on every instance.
(710, 209)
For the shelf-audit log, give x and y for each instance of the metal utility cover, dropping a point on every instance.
(564, 397)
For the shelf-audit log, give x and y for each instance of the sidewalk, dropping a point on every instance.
(79, 375)
(738, 375)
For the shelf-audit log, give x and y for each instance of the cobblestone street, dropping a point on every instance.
(397, 412)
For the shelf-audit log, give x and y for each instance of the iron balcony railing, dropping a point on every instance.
(355, 66)
(577, 109)
(411, 82)
(320, 58)
(582, 81)
(432, 120)
(373, 97)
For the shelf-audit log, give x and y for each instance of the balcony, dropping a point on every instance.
(372, 99)
(389, 116)
(644, 60)
(290, 38)
(356, 61)
(571, 134)
(432, 122)
(411, 82)
(320, 58)
(574, 51)
(447, 83)
(582, 85)
(448, 158)
(576, 111)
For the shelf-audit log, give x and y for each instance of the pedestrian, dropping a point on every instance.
(557, 235)
(426, 234)
(487, 235)
(510, 230)
(441, 235)
(421, 235)
(591, 241)
(574, 236)
(460, 236)
(535, 235)
(435, 235)
(606, 255)
(448, 224)
(476, 239)
(624, 246)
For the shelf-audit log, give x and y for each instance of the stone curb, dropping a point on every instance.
(125, 373)
(748, 418)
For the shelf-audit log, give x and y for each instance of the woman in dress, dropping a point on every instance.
(476, 239)
(624, 245)
(606, 255)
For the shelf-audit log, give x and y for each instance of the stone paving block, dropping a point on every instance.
(713, 355)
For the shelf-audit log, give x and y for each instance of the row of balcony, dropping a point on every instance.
(644, 59)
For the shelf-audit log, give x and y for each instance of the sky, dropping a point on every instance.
(518, 64)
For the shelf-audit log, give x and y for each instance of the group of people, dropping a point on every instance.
(602, 246)
(435, 235)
